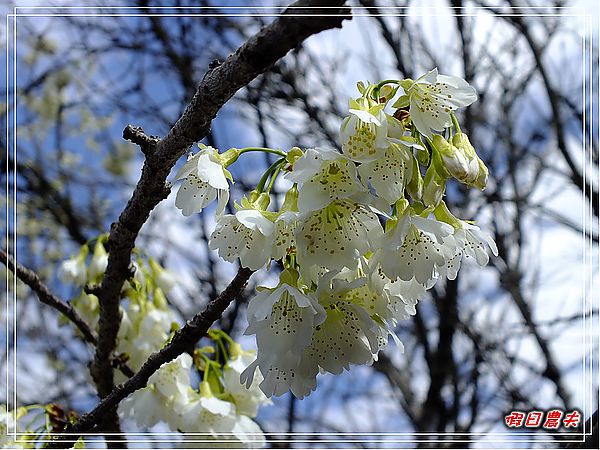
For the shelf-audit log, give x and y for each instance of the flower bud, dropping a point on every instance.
(434, 187)
(461, 142)
(290, 201)
(260, 200)
(481, 181)
(293, 155)
(73, 270)
(229, 157)
(454, 160)
(99, 261)
(415, 186)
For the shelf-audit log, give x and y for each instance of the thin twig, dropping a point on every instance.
(31, 279)
(219, 84)
(45, 295)
(182, 340)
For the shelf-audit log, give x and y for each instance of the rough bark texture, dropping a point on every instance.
(219, 84)
(185, 337)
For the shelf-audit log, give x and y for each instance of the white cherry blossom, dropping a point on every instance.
(144, 406)
(474, 243)
(432, 97)
(288, 372)
(205, 179)
(363, 133)
(389, 174)
(324, 175)
(284, 241)
(413, 248)
(337, 235)
(73, 270)
(247, 235)
(99, 261)
(247, 400)
(172, 380)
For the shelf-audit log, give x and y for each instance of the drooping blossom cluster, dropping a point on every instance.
(220, 406)
(362, 234)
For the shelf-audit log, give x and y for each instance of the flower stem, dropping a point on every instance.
(375, 90)
(261, 149)
(455, 123)
(261, 184)
(274, 176)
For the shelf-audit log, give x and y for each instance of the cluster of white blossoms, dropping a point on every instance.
(220, 407)
(362, 234)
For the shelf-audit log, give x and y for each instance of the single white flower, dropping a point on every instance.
(284, 241)
(99, 261)
(205, 180)
(248, 433)
(144, 332)
(206, 414)
(247, 400)
(474, 243)
(323, 175)
(363, 133)
(412, 247)
(288, 372)
(144, 406)
(247, 235)
(390, 173)
(216, 421)
(164, 279)
(467, 241)
(335, 236)
(349, 334)
(432, 97)
(172, 380)
(400, 297)
(88, 307)
(283, 319)
(73, 270)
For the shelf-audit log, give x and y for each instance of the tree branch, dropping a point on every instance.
(31, 279)
(185, 337)
(219, 84)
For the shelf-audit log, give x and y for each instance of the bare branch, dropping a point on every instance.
(31, 279)
(219, 84)
(183, 339)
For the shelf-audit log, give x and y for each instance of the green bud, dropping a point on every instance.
(205, 389)
(260, 200)
(418, 207)
(289, 277)
(160, 301)
(481, 181)
(293, 155)
(443, 214)
(434, 187)
(401, 206)
(290, 201)
(229, 157)
(415, 186)
(423, 156)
